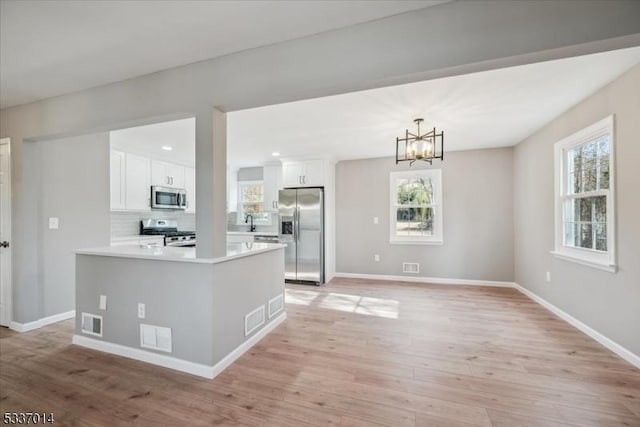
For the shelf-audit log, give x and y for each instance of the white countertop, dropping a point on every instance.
(169, 253)
(137, 237)
(252, 233)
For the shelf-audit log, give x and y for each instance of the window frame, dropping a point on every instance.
(604, 260)
(438, 233)
(240, 211)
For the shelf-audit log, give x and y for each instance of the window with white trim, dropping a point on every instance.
(251, 202)
(416, 207)
(584, 208)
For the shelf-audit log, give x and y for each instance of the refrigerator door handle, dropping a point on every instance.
(298, 223)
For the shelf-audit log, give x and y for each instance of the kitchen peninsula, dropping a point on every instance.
(165, 306)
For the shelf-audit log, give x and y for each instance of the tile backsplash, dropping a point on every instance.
(125, 224)
(128, 223)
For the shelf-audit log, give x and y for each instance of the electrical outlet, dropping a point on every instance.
(548, 277)
(376, 258)
(54, 223)
(103, 302)
(141, 311)
(375, 219)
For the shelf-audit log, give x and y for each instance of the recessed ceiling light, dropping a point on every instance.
(167, 148)
(275, 154)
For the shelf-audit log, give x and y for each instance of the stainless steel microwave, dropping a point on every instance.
(168, 198)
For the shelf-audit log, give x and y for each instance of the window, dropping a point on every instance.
(251, 202)
(584, 224)
(416, 207)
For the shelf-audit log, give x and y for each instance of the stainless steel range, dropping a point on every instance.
(168, 228)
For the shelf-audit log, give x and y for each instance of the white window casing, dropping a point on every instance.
(593, 257)
(436, 237)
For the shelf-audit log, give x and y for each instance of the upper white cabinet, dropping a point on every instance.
(133, 175)
(117, 180)
(137, 186)
(306, 173)
(190, 186)
(167, 174)
(272, 180)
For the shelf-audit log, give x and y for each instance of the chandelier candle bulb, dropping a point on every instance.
(420, 146)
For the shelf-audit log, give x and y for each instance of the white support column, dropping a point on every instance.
(211, 183)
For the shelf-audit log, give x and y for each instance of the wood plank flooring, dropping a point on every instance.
(351, 353)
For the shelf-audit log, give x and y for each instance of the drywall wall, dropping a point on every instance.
(216, 297)
(382, 52)
(607, 302)
(477, 215)
(74, 188)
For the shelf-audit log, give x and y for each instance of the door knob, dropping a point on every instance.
(4, 244)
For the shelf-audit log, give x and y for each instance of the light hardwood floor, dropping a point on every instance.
(352, 353)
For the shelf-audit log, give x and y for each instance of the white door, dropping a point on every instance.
(5, 232)
(137, 187)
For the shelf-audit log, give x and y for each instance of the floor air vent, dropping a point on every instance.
(276, 305)
(91, 324)
(410, 267)
(253, 320)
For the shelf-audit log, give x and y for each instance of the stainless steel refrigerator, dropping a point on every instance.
(302, 230)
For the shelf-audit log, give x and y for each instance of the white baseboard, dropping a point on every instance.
(242, 348)
(433, 280)
(198, 369)
(627, 355)
(30, 326)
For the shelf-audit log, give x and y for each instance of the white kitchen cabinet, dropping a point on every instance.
(190, 186)
(167, 174)
(306, 173)
(292, 174)
(117, 180)
(272, 181)
(137, 185)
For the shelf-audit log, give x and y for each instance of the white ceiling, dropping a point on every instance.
(49, 48)
(489, 109)
(148, 141)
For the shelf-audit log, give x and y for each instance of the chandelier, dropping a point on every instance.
(419, 146)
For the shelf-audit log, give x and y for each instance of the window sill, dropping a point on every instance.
(417, 242)
(611, 268)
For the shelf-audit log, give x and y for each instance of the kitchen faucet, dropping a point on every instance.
(246, 220)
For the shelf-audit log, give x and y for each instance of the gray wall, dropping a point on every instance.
(74, 187)
(177, 295)
(382, 52)
(478, 218)
(203, 304)
(609, 303)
